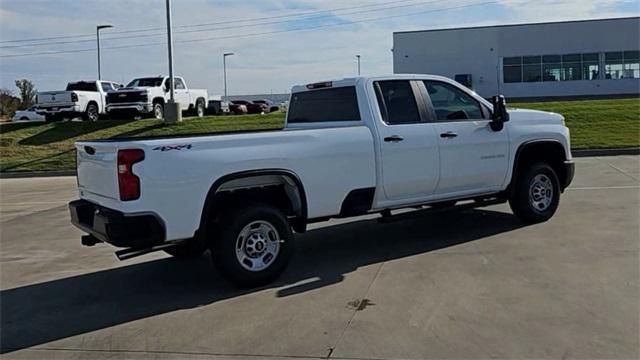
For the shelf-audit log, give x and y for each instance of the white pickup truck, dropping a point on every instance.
(86, 99)
(148, 95)
(350, 147)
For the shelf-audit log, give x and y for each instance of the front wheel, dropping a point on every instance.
(254, 245)
(158, 111)
(536, 195)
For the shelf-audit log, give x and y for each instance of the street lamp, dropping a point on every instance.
(172, 112)
(224, 69)
(358, 57)
(98, 28)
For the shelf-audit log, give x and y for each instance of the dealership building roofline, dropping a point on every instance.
(519, 24)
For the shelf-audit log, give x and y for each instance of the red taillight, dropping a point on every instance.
(74, 97)
(128, 182)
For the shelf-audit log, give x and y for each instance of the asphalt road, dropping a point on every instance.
(476, 284)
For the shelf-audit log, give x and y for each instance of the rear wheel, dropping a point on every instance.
(536, 194)
(91, 114)
(254, 245)
(199, 109)
(158, 111)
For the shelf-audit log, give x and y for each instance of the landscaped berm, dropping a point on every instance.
(594, 124)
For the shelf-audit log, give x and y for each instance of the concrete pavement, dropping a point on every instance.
(476, 284)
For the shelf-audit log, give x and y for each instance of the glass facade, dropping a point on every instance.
(570, 67)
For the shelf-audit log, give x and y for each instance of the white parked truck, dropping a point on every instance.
(349, 147)
(86, 99)
(147, 96)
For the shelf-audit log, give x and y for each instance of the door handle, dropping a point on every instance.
(448, 135)
(393, 138)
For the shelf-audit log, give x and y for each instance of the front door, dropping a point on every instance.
(408, 144)
(473, 157)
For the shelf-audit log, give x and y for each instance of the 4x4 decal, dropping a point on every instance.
(172, 147)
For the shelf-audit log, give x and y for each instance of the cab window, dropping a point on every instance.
(397, 102)
(451, 103)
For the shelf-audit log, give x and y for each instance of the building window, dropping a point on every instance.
(590, 66)
(512, 69)
(551, 67)
(571, 67)
(532, 68)
(613, 65)
(631, 64)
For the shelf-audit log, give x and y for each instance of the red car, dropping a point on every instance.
(252, 108)
(238, 107)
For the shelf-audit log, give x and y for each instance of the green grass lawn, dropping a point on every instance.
(597, 124)
(42, 147)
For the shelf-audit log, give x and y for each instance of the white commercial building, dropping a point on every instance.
(557, 59)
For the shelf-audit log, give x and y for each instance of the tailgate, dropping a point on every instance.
(97, 168)
(54, 97)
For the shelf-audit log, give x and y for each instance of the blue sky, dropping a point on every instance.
(274, 60)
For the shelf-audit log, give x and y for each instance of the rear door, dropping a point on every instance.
(408, 143)
(182, 94)
(473, 157)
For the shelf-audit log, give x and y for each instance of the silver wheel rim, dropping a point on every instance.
(257, 246)
(93, 113)
(541, 192)
(158, 112)
(200, 110)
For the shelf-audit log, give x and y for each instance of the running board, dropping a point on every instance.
(129, 253)
(388, 217)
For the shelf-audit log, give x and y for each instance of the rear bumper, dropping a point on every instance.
(116, 228)
(60, 109)
(569, 172)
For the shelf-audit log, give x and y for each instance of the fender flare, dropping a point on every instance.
(299, 224)
(524, 146)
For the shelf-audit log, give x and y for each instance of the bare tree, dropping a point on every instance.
(8, 103)
(27, 93)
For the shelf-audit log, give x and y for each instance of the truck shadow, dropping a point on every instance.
(40, 313)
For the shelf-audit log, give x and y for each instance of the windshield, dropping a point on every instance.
(82, 86)
(146, 82)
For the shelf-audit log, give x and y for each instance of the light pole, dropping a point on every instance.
(358, 57)
(224, 70)
(98, 28)
(172, 112)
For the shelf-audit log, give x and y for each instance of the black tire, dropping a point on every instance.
(91, 113)
(190, 249)
(230, 228)
(24, 118)
(536, 195)
(52, 118)
(158, 111)
(198, 110)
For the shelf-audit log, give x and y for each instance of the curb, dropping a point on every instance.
(605, 152)
(575, 153)
(34, 174)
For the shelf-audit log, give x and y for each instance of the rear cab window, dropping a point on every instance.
(82, 86)
(330, 104)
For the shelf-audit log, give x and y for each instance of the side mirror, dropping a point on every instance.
(500, 114)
